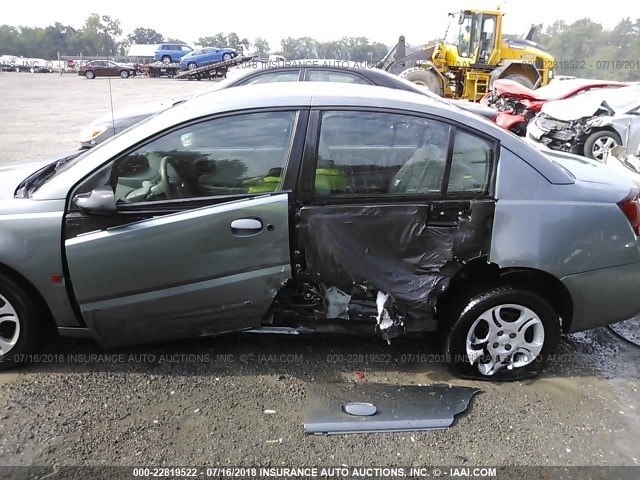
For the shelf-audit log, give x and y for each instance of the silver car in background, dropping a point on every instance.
(318, 208)
(590, 124)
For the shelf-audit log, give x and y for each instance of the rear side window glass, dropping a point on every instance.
(372, 153)
(470, 164)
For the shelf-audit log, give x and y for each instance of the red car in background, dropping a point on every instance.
(517, 104)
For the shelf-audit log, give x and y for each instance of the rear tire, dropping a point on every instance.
(89, 74)
(509, 333)
(424, 78)
(20, 326)
(598, 143)
(521, 79)
(166, 59)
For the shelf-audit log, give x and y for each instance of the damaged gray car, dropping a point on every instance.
(318, 208)
(590, 124)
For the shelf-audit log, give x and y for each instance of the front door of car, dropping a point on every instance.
(188, 234)
(112, 69)
(211, 56)
(392, 203)
(100, 68)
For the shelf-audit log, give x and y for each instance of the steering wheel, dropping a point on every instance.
(181, 191)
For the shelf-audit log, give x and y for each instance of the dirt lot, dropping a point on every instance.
(203, 402)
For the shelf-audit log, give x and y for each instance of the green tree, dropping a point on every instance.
(217, 40)
(145, 36)
(261, 47)
(10, 40)
(298, 48)
(99, 35)
(221, 40)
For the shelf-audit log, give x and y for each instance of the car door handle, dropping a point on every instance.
(245, 227)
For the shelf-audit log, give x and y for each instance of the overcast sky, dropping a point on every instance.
(417, 20)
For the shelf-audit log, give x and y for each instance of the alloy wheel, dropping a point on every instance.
(505, 336)
(9, 326)
(601, 146)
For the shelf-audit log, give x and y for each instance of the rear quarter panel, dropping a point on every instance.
(560, 229)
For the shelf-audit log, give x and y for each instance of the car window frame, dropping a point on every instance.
(305, 192)
(348, 71)
(264, 71)
(291, 165)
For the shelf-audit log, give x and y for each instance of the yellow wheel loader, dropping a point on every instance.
(467, 66)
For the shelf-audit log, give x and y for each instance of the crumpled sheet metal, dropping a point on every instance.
(398, 408)
(394, 249)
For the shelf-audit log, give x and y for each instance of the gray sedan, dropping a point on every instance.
(318, 208)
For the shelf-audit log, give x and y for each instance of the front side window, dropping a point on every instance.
(236, 155)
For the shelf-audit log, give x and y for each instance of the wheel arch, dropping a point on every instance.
(516, 67)
(479, 273)
(46, 316)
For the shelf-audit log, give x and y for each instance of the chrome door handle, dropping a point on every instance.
(244, 227)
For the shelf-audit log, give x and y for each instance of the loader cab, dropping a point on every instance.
(478, 36)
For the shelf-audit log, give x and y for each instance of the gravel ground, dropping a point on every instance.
(203, 402)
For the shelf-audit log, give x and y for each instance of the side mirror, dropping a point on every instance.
(100, 200)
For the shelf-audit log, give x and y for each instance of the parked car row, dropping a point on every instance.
(517, 104)
(319, 207)
(591, 124)
(14, 63)
(581, 116)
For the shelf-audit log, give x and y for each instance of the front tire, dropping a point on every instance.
(599, 143)
(521, 79)
(192, 66)
(226, 57)
(20, 332)
(124, 74)
(424, 78)
(90, 75)
(501, 333)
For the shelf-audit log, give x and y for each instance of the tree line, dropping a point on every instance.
(583, 48)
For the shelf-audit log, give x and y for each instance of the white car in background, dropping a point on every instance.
(590, 124)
